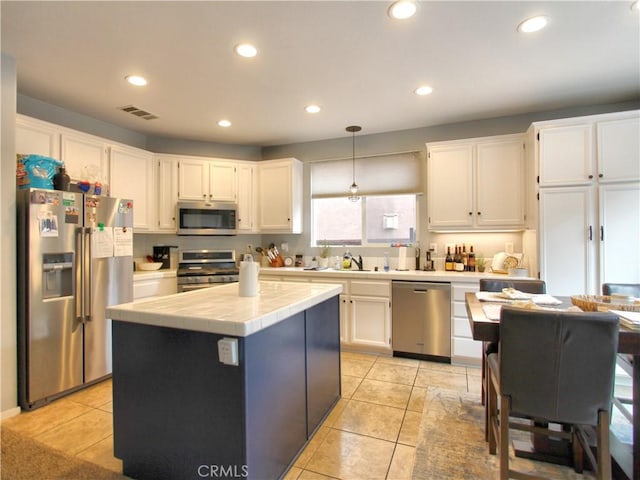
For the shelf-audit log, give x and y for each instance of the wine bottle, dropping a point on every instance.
(457, 260)
(465, 258)
(472, 260)
(448, 261)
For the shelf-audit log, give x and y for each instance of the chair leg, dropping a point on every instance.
(483, 392)
(578, 451)
(604, 454)
(505, 407)
(491, 412)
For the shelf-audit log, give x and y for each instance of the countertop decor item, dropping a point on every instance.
(353, 189)
(149, 265)
(599, 303)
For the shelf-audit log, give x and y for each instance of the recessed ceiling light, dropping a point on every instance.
(423, 90)
(246, 50)
(533, 24)
(402, 9)
(635, 5)
(312, 108)
(136, 80)
(224, 123)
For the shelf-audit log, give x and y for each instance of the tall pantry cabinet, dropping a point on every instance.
(588, 179)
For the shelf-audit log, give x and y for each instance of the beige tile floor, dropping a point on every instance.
(371, 433)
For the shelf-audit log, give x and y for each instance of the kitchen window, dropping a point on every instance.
(372, 221)
(387, 210)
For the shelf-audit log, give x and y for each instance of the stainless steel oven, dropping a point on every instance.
(205, 268)
(207, 218)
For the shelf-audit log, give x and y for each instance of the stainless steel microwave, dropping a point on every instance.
(207, 218)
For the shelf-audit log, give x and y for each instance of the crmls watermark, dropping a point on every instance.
(223, 471)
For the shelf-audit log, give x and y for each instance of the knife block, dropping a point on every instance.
(277, 262)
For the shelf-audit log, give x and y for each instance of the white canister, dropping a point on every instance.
(248, 278)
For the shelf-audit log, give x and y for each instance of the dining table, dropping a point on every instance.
(487, 329)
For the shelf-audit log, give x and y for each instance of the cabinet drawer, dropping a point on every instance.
(461, 328)
(370, 288)
(459, 290)
(460, 310)
(334, 281)
(155, 287)
(466, 347)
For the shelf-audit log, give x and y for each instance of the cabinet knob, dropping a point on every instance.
(204, 195)
(470, 213)
(479, 213)
(590, 177)
(600, 175)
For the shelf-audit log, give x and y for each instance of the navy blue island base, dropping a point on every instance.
(179, 413)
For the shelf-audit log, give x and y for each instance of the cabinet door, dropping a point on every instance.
(246, 197)
(222, 181)
(620, 233)
(193, 179)
(132, 177)
(619, 150)
(84, 157)
(370, 321)
(345, 331)
(34, 137)
(500, 186)
(566, 155)
(567, 240)
(449, 179)
(167, 193)
(275, 196)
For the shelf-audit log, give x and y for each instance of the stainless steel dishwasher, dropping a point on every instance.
(421, 316)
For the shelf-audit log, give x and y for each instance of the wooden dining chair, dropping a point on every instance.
(553, 367)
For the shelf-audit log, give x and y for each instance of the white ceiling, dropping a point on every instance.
(349, 57)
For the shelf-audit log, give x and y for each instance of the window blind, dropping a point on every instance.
(392, 174)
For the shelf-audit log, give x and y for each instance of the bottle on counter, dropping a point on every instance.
(457, 260)
(465, 259)
(386, 261)
(448, 261)
(471, 263)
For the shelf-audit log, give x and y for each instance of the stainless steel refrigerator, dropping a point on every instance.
(74, 259)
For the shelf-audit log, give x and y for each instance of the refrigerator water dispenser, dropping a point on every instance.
(57, 275)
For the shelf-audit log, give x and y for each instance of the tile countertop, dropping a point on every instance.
(410, 275)
(221, 310)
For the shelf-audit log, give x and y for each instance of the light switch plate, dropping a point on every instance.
(228, 351)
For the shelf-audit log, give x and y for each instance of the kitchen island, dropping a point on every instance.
(210, 384)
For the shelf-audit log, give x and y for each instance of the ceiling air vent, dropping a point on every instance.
(138, 112)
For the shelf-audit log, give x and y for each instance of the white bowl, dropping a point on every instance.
(149, 265)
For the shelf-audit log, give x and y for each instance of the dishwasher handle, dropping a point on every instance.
(422, 287)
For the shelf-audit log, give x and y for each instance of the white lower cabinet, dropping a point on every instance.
(464, 349)
(147, 287)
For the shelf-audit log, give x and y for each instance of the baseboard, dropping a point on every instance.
(12, 412)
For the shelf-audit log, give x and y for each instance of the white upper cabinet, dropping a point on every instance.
(37, 137)
(476, 183)
(167, 174)
(450, 185)
(280, 196)
(206, 180)
(581, 151)
(132, 177)
(247, 198)
(500, 186)
(84, 156)
(566, 155)
(618, 146)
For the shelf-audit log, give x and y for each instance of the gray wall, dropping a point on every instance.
(8, 345)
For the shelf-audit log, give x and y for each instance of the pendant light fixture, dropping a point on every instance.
(353, 190)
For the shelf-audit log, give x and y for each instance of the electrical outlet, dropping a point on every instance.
(228, 351)
(434, 248)
(508, 247)
(249, 247)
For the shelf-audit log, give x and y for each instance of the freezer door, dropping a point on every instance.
(49, 334)
(108, 278)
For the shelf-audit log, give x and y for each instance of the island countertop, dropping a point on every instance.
(221, 310)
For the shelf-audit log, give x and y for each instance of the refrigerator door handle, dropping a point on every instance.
(88, 280)
(78, 303)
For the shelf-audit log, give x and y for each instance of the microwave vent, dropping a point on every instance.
(138, 112)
